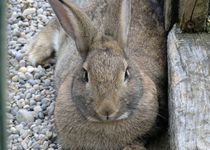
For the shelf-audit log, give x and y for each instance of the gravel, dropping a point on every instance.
(31, 88)
(31, 96)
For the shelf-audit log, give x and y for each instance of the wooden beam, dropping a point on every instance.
(193, 15)
(189, 90)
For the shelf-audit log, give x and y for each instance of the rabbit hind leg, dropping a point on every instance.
(45, 43)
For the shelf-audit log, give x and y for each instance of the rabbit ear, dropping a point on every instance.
(118, 21)
(76, 23)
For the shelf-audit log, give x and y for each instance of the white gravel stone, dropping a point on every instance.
(15, 78)
(13, 130)
(29, 11)
(24, 144)
(37, 109)
(22, 63)
(24, 116)
(45, 145)
(30, 69)
(23, 69)
(21, 103)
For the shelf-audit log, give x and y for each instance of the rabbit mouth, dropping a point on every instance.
(123, 116)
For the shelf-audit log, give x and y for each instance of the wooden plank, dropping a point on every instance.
(193, 15)
(168, 14)
(189, 90)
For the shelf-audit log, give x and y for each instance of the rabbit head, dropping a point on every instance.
(107, 85)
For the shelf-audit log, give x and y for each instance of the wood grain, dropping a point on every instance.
(193, 15)
(168, 13)
(189, 90)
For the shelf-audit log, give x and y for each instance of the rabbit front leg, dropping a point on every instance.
(45, 42)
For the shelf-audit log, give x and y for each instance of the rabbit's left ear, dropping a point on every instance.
(117, 21)
(76, 23)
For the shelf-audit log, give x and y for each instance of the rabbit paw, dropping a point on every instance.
(39, 50)
(134, 147)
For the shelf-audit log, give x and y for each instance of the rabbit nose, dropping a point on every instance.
(106, 112)
(106, 115)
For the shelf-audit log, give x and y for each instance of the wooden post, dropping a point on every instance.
(168, 13)
(189, 90)
(193, 15)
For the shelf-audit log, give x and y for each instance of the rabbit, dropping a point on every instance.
(111, 79)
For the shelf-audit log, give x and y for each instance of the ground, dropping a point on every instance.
(31, 94)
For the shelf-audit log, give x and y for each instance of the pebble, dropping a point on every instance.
(18, 56)
(32, 102)
(45, 145)
(26, 107)
(37, 109)
(14, 111)
(44, 106)
(21, 40)
(28, 95)
(32, 82)
(37, 98)
(13, 130)
(24, 133)
(15, 78)
(36, 146)
(29, 75)
(49, 134)
(41, 115)
(30, 69)
(21, 103)
(24, 144)
(22, 82)
(38, 75)
(22, 75)
(47, 82)
(22, 63)
(29, 11)
(24, 116)
(23, 69)
(51, 108)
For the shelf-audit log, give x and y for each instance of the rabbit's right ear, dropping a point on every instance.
(76, 23)
(117, 21)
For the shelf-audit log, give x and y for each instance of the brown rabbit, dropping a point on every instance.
(111, 83)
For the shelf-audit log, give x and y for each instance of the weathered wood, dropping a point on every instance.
(168, 13)
(189, 90)
(193, 14)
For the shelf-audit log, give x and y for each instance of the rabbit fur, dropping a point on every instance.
(110, 73)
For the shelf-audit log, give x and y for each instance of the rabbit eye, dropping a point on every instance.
(126, 75)
(85, 75)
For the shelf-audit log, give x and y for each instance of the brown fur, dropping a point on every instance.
(132, 38)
